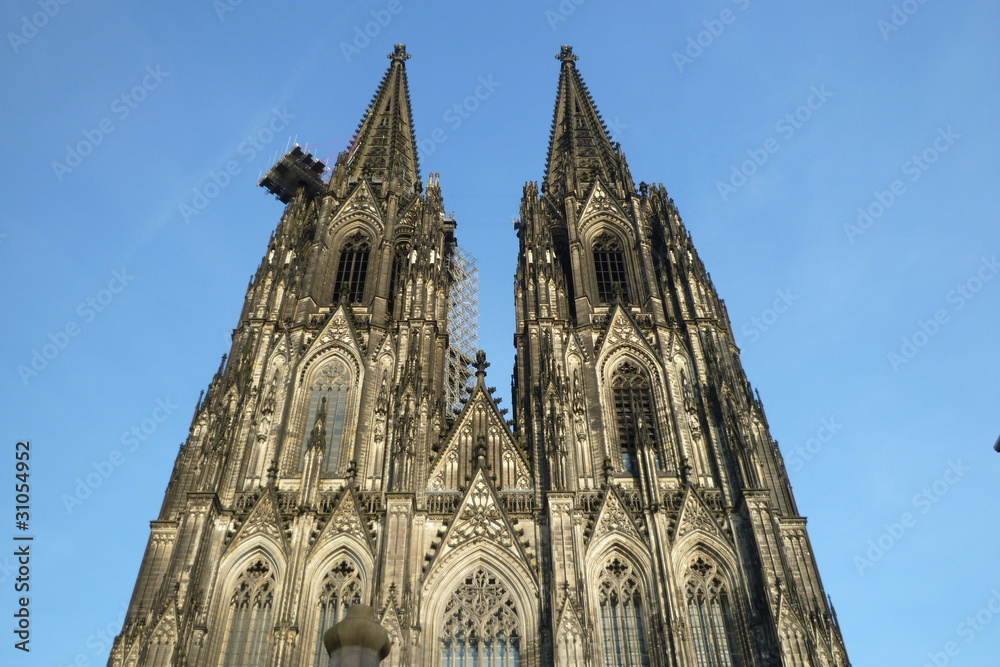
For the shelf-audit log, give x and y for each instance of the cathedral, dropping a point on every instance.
(632, 510)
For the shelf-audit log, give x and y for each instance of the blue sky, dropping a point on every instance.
(835, 163)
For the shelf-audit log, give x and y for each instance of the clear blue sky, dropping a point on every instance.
(835, 107)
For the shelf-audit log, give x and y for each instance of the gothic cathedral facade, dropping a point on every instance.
(634, 511)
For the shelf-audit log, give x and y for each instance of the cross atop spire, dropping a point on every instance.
(399, 53)
(566, 54)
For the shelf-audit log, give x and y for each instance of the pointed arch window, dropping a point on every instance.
(249, 624)
(623, 624)
(399, 259)
(327, 411)
(341, 588)
(352, 270)
(610, 269)
(633, 401)
(481, 625)
(710, 617)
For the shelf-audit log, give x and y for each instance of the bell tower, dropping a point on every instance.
(673, 537)
(634, 511)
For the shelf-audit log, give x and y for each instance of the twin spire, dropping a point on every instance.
(384, 149)
(580, 150)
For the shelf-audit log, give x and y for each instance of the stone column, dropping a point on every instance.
(358, 640)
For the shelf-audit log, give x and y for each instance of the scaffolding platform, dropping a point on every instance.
(297, 168)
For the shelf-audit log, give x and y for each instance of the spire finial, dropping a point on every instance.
(399, 53)
(566, 54)
(481, 363)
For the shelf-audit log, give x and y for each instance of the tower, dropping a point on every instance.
(635, 510)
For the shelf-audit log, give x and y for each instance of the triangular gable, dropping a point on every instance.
(386, 346)
(346, 519)
(612, 516)
(264, 520)
(480, 417)
(390, 620)
(360, 201)
(408, 217)
(695, 515)
(600, 202)
(338, 329)
(166, 628)
(280, 347)
(569, 622)
(622, 330)
(480, 519)
(575, 346)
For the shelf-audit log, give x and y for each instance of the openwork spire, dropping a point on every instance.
(384, 149)
(580, 150)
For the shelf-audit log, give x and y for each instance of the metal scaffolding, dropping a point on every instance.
(463, 324)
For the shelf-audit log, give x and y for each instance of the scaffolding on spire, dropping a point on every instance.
(463, 325)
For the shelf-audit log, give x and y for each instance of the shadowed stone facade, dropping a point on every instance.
(634, 511)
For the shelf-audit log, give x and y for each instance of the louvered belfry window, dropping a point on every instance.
(610, 269)
(396, 278)
(352, 270)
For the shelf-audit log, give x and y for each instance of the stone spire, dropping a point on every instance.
(384, 150)
(580, 150)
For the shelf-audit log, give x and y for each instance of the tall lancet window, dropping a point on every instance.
(623, 625)
(481, 625)
(399, 259)
(710, 617)
(352, 270)
(610, 269)
(249, 624)
(332, 383)
(633, 398)
(341, 588)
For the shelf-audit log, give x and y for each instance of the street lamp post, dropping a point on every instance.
(357, 640)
